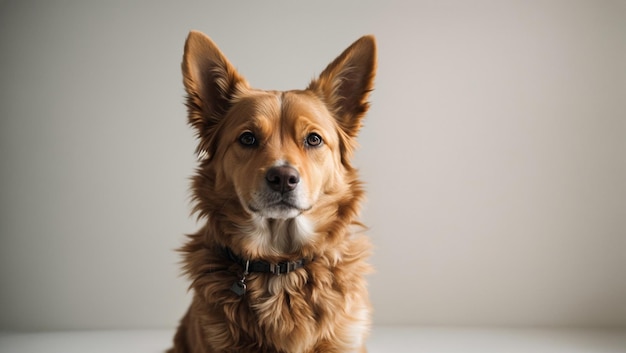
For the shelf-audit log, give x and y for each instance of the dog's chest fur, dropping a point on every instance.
(319, 308)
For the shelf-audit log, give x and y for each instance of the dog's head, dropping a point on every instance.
(275, 156)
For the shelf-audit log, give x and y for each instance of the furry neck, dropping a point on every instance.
(267, 237)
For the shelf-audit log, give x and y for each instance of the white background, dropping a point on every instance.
(494, 154)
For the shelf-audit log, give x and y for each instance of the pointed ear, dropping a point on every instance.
(346, 83)
(211, 83)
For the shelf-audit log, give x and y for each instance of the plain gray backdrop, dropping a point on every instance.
(494, 154)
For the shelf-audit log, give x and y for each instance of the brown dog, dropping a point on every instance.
(278, 266)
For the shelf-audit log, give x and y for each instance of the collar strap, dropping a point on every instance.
(261, 266)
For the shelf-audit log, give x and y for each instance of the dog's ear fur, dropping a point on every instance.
(346, 83)
(211, 82)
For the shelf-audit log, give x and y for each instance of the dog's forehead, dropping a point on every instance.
(304, 104)
(256, 103)
(264, 108)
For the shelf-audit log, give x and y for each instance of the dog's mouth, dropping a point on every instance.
(281, 209)
(289, 205)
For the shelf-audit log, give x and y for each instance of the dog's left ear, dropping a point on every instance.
(346, 83)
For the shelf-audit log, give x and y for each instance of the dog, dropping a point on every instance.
(280, 260)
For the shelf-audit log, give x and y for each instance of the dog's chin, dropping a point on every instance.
(280, 210)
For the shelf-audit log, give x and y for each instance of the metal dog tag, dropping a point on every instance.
(238, 288)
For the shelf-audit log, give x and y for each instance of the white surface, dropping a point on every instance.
(383, 340)
(493, 154)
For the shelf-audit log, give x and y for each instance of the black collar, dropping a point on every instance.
(260, 266)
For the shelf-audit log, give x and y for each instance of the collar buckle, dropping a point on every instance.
(282, 267)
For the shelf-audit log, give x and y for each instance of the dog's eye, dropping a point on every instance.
(247, 139)
(313, 140)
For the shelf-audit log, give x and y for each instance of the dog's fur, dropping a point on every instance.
(308, 212)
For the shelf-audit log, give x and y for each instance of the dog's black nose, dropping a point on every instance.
(283, 178)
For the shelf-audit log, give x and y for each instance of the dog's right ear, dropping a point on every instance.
(211, 82)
